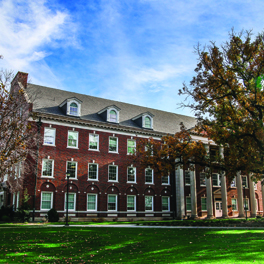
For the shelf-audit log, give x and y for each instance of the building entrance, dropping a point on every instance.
(218, 209)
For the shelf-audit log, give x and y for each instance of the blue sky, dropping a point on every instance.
(138, 52)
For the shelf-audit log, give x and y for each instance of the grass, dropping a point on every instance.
(129, 245)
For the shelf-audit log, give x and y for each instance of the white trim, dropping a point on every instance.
(115, 195)
(97, 171)
(143, 121)
(109, 144)
(76, 169)
(152, 182)
(74, 203)
(244, 176)
(52, 170)
(168, 197)
(135, 170)
(96, 202)
(77, 141)
(168, 182)
(188, 197)
(51, 202)
(47, 144)
(205, 204)
(116, 180)
(188, 172)
(95, 136)
(152, 203)
(134, 147)
(134, 196)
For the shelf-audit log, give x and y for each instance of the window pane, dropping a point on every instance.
(234, 204)
(187, 177)
(92, 174)
(113, 144)
(148, 175)
(203, 200)
(73, 109)
(93, 141)
(165, 179)
(111, 202)
(147, 122)
(46, 201)
(202, 178)
(70, 201)
(49, 136)
(165, 203)
(72, 138)
(188, 204)
(113, 116)
(47, 168)
(148, 203)
(130, 202)
(131, 174)
(131, 145)
(71, 168)
(91, 202)
(112, 173)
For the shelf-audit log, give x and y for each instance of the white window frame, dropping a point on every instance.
(165, 183)
(152, 204)
(52, 136)
(108, 115)
(110, 151)
(188, 203)
(233, 183)
(152, 176)
(201, 178)
(69, 108)
(77, 140)
(52, 169)
(113, 195)
(134, 147)
(96, 202)
(135, 174)
(186, 177)
(97, 140)
(74, 203)
(144, 121)
(51, 201)
(234, 209)
(245, 177)
(116, 180)
(218, 180)
(18, 169)
(134, 202)
(246, 199)
(76, 169)
(168, 200)
(205, 204)
(96, 171)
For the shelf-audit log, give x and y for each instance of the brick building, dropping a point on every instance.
(93, 139)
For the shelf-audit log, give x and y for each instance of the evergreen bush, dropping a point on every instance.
(53, 215)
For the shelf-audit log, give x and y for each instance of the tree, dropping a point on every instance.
(228, 95)
(17, 134)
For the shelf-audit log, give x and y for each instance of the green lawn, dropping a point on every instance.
(129, 245)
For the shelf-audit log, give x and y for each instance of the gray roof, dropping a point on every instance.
(47, 100)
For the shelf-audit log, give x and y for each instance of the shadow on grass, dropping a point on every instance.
(124, 245)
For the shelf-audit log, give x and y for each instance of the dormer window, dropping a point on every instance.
(71, 106)
(110, 114)
(113, 116)
(144, 120)
(147, 122)
(74, 109)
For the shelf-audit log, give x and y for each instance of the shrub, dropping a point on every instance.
(53, 215)
(7, 211)
(6, 219)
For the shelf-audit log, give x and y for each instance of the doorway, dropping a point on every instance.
(218, 209)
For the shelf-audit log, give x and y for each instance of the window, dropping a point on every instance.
(72, 139)
(216, 179)
(131, 146)
(202, 179)
(188, 203)
(113, 116)
(112, 173)
(203, 204)
(93, 142)
(149, 175)
(72, 169)
(92, 171)
(246, 206)
(46, 200)
(74, 109)
(234, 204)
(47, 168)
(187, 177)
(71, 201)
(112, 202)
(255, 185)
(147, 122)
(131, 174)
(91, 202)
(18, 169)
(165, 179)
(113, 144)
(244, 181)
(131, 203)
(165, 203)
(233, 183)
(49, 136)
(149, 203)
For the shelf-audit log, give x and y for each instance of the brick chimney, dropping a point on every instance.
(21, 77)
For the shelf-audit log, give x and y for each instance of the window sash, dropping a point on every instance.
(131, 203)
(113, 116)
(202, 179)
(46, 200)
(71, 201)
(165, 179)
(91, 202)
(149, 203)
(188, 204)
(47, 168)
(147, 122)
(112, 173)
(72, 139)
(112, 144)
(131, 174)
(203, 203)
(233, 183)
(112, 202)
(92, 171)
(131, 146)
(244, 181)
(165, 203)
(187, 177)
(73, 109)
(234, 204)
(49, 136)
(149, 175)
(93, 141)
(72, 168)
(216, 179)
